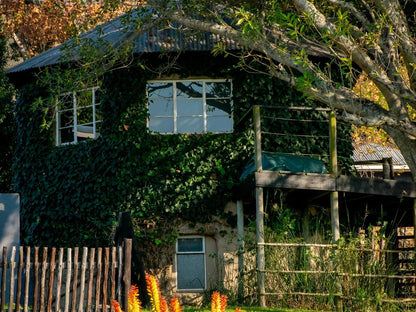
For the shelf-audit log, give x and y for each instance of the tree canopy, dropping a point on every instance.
(321, 48)
(7, 137)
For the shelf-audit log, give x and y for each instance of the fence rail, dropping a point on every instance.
(79, 279)
(352, 273)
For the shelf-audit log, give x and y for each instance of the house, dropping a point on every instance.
(163, 134)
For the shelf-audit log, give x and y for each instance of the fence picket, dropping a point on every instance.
(19, 280)
(36, 288)
(43, 279)
(91, 279)
(58, 280)
(3, 280)
(82, 286)
(68, 278)
(98, 281)
(27, 280)
(105, 282)
(11, 289)
(51, 277)
(75, 279)
(113, 275)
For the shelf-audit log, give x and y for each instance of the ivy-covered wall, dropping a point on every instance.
(71, 195)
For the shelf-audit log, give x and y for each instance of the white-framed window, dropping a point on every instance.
(190, 263)
(190, 106)
(77, 116)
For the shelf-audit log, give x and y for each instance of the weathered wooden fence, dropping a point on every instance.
(310, 275)
(64, 279)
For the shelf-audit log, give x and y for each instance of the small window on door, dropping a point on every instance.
(190, 264)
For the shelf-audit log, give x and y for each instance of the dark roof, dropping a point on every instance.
(116, 32)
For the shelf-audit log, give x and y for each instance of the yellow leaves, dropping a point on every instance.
(40, 25)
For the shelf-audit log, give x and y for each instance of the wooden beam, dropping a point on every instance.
(318, 182)
(325, 182)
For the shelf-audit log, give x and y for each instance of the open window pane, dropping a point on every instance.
(78, 116)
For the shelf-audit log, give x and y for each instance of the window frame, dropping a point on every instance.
(204, 115)
(75, 108)
(203, 253)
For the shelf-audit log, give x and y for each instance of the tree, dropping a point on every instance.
(7, 137)
(35, 26)
(322, 48)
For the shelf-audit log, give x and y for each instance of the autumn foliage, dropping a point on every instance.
(36, 26)
(159, 304)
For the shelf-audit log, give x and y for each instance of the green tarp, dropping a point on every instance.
(284, 162)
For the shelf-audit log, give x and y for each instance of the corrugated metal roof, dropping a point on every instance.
(116, 32)
(375, 152)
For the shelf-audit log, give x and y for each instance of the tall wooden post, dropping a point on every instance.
(127, 272)
(240, 236)
(334, 197)
(259, 210)
(334, 173)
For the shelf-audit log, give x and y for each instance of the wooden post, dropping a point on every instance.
(3, 280)
(127, 272)
(240, 236)
(334, 173)
(259, 210)
(334, 197)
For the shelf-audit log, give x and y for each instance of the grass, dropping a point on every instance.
(250, 309)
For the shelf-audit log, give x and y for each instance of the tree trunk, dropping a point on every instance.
(407, 147)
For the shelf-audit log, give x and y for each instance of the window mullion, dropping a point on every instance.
(74, 98)
(93, 113)
(204, 105)
(58, 123)
(175, 111)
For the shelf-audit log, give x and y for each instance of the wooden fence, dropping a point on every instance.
(354, 274)
(64, 279)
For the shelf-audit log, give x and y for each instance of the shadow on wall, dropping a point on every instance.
(9, 220)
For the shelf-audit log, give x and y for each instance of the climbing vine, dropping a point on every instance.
(72, 194)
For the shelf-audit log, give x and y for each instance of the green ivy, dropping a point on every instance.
(71, 195)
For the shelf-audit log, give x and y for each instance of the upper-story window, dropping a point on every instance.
(77, 116)
(190, 106)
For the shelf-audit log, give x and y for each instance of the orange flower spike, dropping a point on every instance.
(223, 303)
(134, 303)
(116, 306)
(238, 310)
(154, 293)
(163, 305)
(174, 305)
(215, 302)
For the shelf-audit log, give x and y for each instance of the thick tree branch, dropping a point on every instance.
(358, 56)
